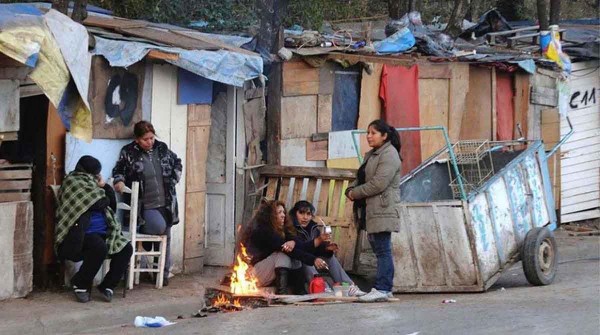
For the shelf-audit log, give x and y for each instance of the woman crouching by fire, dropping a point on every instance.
(275, 253)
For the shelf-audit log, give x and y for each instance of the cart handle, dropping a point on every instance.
(562, 140)
(463, 194)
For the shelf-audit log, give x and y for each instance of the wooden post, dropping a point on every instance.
(494, 109)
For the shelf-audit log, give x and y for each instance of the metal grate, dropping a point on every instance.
(475, 165)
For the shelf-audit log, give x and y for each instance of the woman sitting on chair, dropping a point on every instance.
(88, 230)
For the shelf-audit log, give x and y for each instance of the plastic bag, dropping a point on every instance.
(552, 49)
(398, 42)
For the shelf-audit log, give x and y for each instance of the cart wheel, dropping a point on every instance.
(540, 256)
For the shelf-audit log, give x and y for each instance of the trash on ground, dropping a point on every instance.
(448, 301)
(151, 322)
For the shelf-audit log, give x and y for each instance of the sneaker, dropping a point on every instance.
(374, 296)
(390, 295)
(81, 294)
(107, 294)
(355, 291)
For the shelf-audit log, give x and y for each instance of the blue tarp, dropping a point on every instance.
(223, 66)
(193, 89)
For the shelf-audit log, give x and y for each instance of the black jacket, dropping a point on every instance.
(308, 234)
(72, 245)
(264, 241)
(130, 168)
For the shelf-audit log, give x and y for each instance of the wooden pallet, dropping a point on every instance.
(325, 188)
(15, 182)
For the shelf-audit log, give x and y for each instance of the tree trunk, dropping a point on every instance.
(395, 9)
(270, 35)
(412, 5)
(61, 6)
(542, 10)
(554, 11)
(458, 13)
(79, 10)
(512, 10)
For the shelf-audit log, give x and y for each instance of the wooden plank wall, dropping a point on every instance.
(306, 107)
(198, 132)
(9, 108)
(170, 122)
(442, 99)
(477, 119)
(16, 256)
(551, 136)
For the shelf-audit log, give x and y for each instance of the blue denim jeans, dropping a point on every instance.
(381, 243)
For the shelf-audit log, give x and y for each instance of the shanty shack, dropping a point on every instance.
(67, 95)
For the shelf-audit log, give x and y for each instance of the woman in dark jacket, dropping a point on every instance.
(308, 231)
(158, 170)
(87, 229)
(376, 191)
(273, 249)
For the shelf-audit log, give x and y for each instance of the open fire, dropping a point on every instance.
(242, 282)
(243, 288)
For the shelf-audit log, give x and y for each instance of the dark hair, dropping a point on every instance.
(392, 135)
(302, 206)
(88, 164)
(142, 128)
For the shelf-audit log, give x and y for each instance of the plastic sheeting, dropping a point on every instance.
(27, 37)
(72, 39)
(223, 66)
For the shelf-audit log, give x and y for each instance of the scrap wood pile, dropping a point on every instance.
(222, 300)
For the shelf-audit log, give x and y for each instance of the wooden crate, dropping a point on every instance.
(324, 188)
(15, 182)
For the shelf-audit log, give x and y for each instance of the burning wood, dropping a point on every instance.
(221, 301)
(242, 281)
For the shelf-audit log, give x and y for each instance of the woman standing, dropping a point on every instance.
(377, 197)
(157, 169)
(276, 256)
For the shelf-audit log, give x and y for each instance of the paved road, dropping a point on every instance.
(571, 305)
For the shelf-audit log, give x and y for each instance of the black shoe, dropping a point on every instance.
(82, 295)
(281, 281)
(107, 294)
(165, 281)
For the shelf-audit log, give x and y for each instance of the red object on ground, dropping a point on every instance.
(317, 285)
(504, 106)
(399, 91)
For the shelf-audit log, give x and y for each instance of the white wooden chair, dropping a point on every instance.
(136, 239)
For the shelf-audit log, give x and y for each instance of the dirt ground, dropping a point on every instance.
(569, 306)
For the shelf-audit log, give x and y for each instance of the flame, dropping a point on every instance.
(242, 282)
(237, 303)
(221, 301)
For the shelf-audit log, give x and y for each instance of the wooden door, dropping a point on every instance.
(220, 181)
(197, 146)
